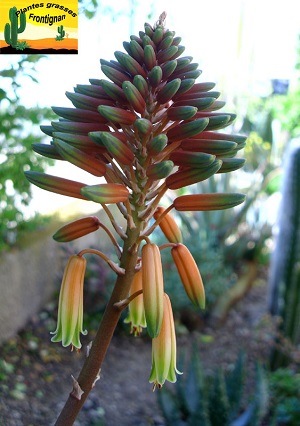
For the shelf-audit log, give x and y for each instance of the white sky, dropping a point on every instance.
(239, 44)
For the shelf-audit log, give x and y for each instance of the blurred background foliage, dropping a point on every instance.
(19, 128)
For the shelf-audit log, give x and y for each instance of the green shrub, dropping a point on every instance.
(285, 397)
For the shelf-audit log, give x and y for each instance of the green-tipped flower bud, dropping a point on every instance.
(143, 126)
(134, 97)
(117, 148)
(80, 159)
(166, 54)
(155, 76)
(113, 91)
(76, 114)
(215, 147)
(181, 112)
(114, 75)
(187, 130)
(149, 57)
(47, 150)
(158, 35)
(56, 184)
(191, 159)
(160, 170)
(231, 164)
(137, 52)
(130, 64)
(168, 91)
(141, 84)
(107, 193)
(193, 175)
(168, 69)
(157, 144)
(117, 115)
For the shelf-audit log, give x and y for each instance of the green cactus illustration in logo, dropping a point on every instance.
(12, 30)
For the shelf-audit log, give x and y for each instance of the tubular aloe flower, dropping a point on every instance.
(189, 274)
(153, 288)
(136, 314)
(70, 306)
(164, 350)
(168, 226)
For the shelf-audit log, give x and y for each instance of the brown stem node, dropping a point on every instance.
(76, 391)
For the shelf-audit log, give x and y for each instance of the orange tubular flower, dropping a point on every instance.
(168, 226)
(189, 274)
(77, 229)
(153, 288)
(136, 314)
(70, 307)
(212, 201)
(164, 350)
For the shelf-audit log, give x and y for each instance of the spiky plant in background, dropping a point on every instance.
(284, 295)
(150, 129)
(216, 400)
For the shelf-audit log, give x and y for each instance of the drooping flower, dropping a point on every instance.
(153, 288)
(189, 274)
(70, 306)
(168, 226)
(164, 350)
(136, 311)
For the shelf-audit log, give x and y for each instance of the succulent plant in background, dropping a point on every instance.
(149, 129)
(216, 400)
(284, 282)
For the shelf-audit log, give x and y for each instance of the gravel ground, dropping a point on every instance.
(35, 375)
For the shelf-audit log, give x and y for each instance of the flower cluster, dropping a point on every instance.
(146, 129)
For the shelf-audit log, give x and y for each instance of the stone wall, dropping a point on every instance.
(30, 276)
(27, 282)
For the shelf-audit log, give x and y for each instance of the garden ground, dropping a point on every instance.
(35, 375)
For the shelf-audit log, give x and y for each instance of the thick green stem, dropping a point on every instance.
(93, 363)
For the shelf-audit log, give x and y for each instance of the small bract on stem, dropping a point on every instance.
(147, 130)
